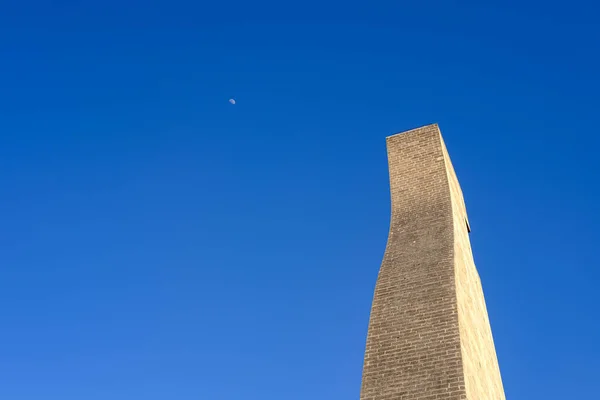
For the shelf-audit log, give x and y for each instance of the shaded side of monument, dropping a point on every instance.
(429, 334)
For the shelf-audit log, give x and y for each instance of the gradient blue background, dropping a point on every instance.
(157, 242)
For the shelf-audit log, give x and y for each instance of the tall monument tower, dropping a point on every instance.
(429, 335)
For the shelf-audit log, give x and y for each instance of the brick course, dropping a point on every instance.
(429, 335)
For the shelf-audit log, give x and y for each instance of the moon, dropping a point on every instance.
(231, 101)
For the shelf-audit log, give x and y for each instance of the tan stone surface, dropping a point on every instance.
(429, 335)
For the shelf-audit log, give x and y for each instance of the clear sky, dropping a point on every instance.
(158, 242)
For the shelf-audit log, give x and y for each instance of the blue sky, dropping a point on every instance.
(157, 242)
